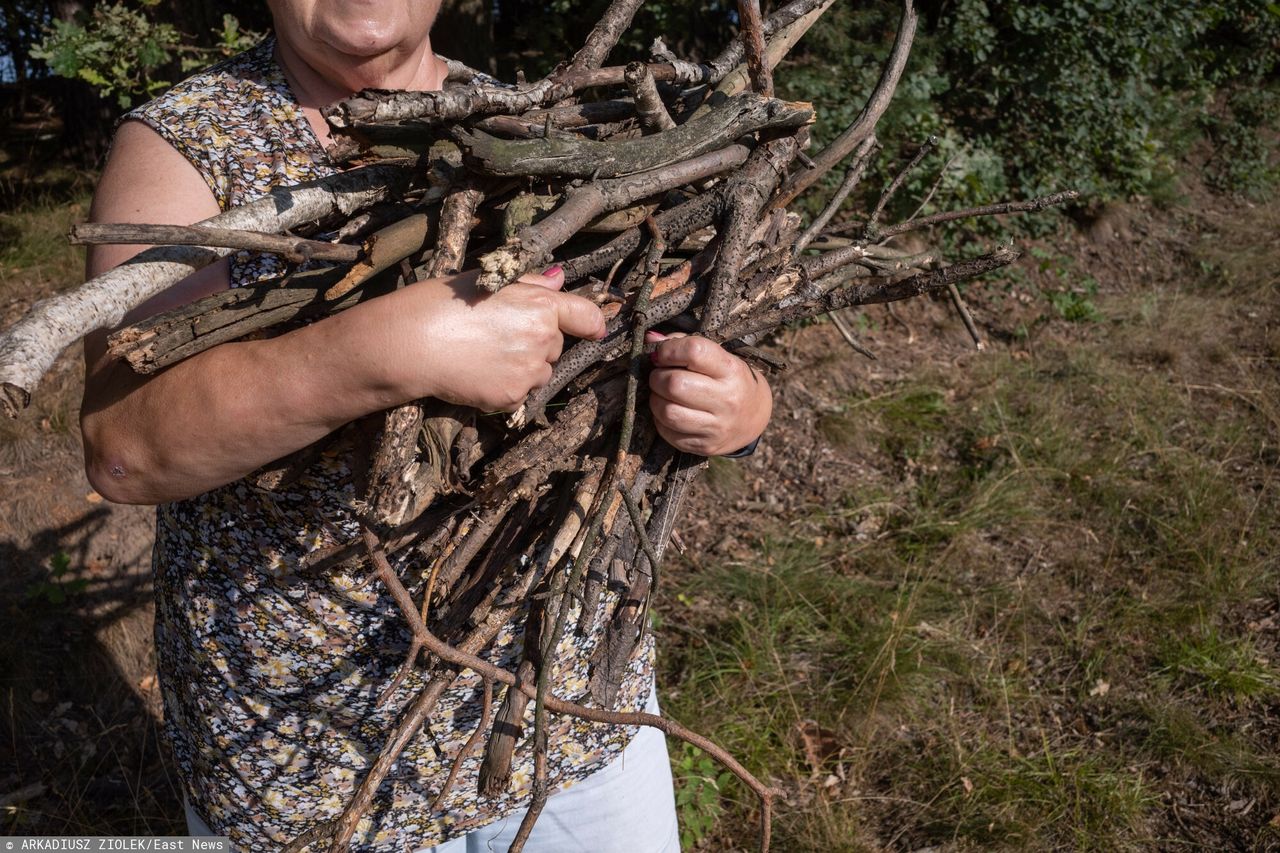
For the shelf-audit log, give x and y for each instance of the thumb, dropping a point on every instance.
(551, 278)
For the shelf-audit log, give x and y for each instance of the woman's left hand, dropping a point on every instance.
(704, 399)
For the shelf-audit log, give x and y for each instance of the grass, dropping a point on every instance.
(36, 260)
(35, 257)
(1043, 622)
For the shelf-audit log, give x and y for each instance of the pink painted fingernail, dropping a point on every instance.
(552, 270)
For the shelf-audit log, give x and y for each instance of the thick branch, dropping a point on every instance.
(605, 35)
(753, 44)
(534, 244)
(748, 192)
(650, 109)
(586, 158)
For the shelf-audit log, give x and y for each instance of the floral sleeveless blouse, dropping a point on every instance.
(270, 678)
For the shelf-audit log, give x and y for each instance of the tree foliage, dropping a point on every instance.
(123, 52)
(1024, 94)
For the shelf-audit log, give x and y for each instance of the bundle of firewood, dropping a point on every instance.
(662, 187)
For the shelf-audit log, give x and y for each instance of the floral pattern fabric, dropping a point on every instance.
(271, 674)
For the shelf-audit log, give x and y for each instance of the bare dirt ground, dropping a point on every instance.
(1023, 598)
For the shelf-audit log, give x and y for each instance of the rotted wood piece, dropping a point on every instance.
(736, 117)
(229, 315)
(609, 661)
(573, 426)
(389, 494)
(534, 244)
(382, 250)
(650, 109)
(508, 727)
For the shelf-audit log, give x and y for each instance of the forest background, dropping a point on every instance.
(1025, 598)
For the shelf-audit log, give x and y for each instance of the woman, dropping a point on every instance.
(269, 679)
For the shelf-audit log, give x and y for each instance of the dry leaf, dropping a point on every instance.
(1101, 688)
(968, 784)
(819, 744)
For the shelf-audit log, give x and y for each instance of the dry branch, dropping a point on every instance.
(292, 249)
(753, 45)
(534, 244)
(582, 158)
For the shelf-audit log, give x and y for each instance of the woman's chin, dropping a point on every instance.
(360, 46)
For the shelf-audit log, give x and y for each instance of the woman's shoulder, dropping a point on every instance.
(237, 123)
(217, 87)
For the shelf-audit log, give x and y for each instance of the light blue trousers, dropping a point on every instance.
(627, 806)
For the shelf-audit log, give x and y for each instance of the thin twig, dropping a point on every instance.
(847, 333)
(1030, 206)
(896, 184)
(862, 158)
(486, 713)
(958, 301)
(933, 190)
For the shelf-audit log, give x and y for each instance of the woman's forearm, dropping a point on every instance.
(219, 415)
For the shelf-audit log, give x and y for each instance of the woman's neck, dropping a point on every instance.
(418, 70)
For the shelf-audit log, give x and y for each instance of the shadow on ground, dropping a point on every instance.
(79, 731)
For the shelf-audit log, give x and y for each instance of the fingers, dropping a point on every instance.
(552, 278)
(678, 418)
(694, 353)
(686, 387)
(579, 316)
(576, 315)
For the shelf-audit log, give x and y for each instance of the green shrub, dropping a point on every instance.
(125, 54)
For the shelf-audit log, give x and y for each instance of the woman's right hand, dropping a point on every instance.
(445, 338)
